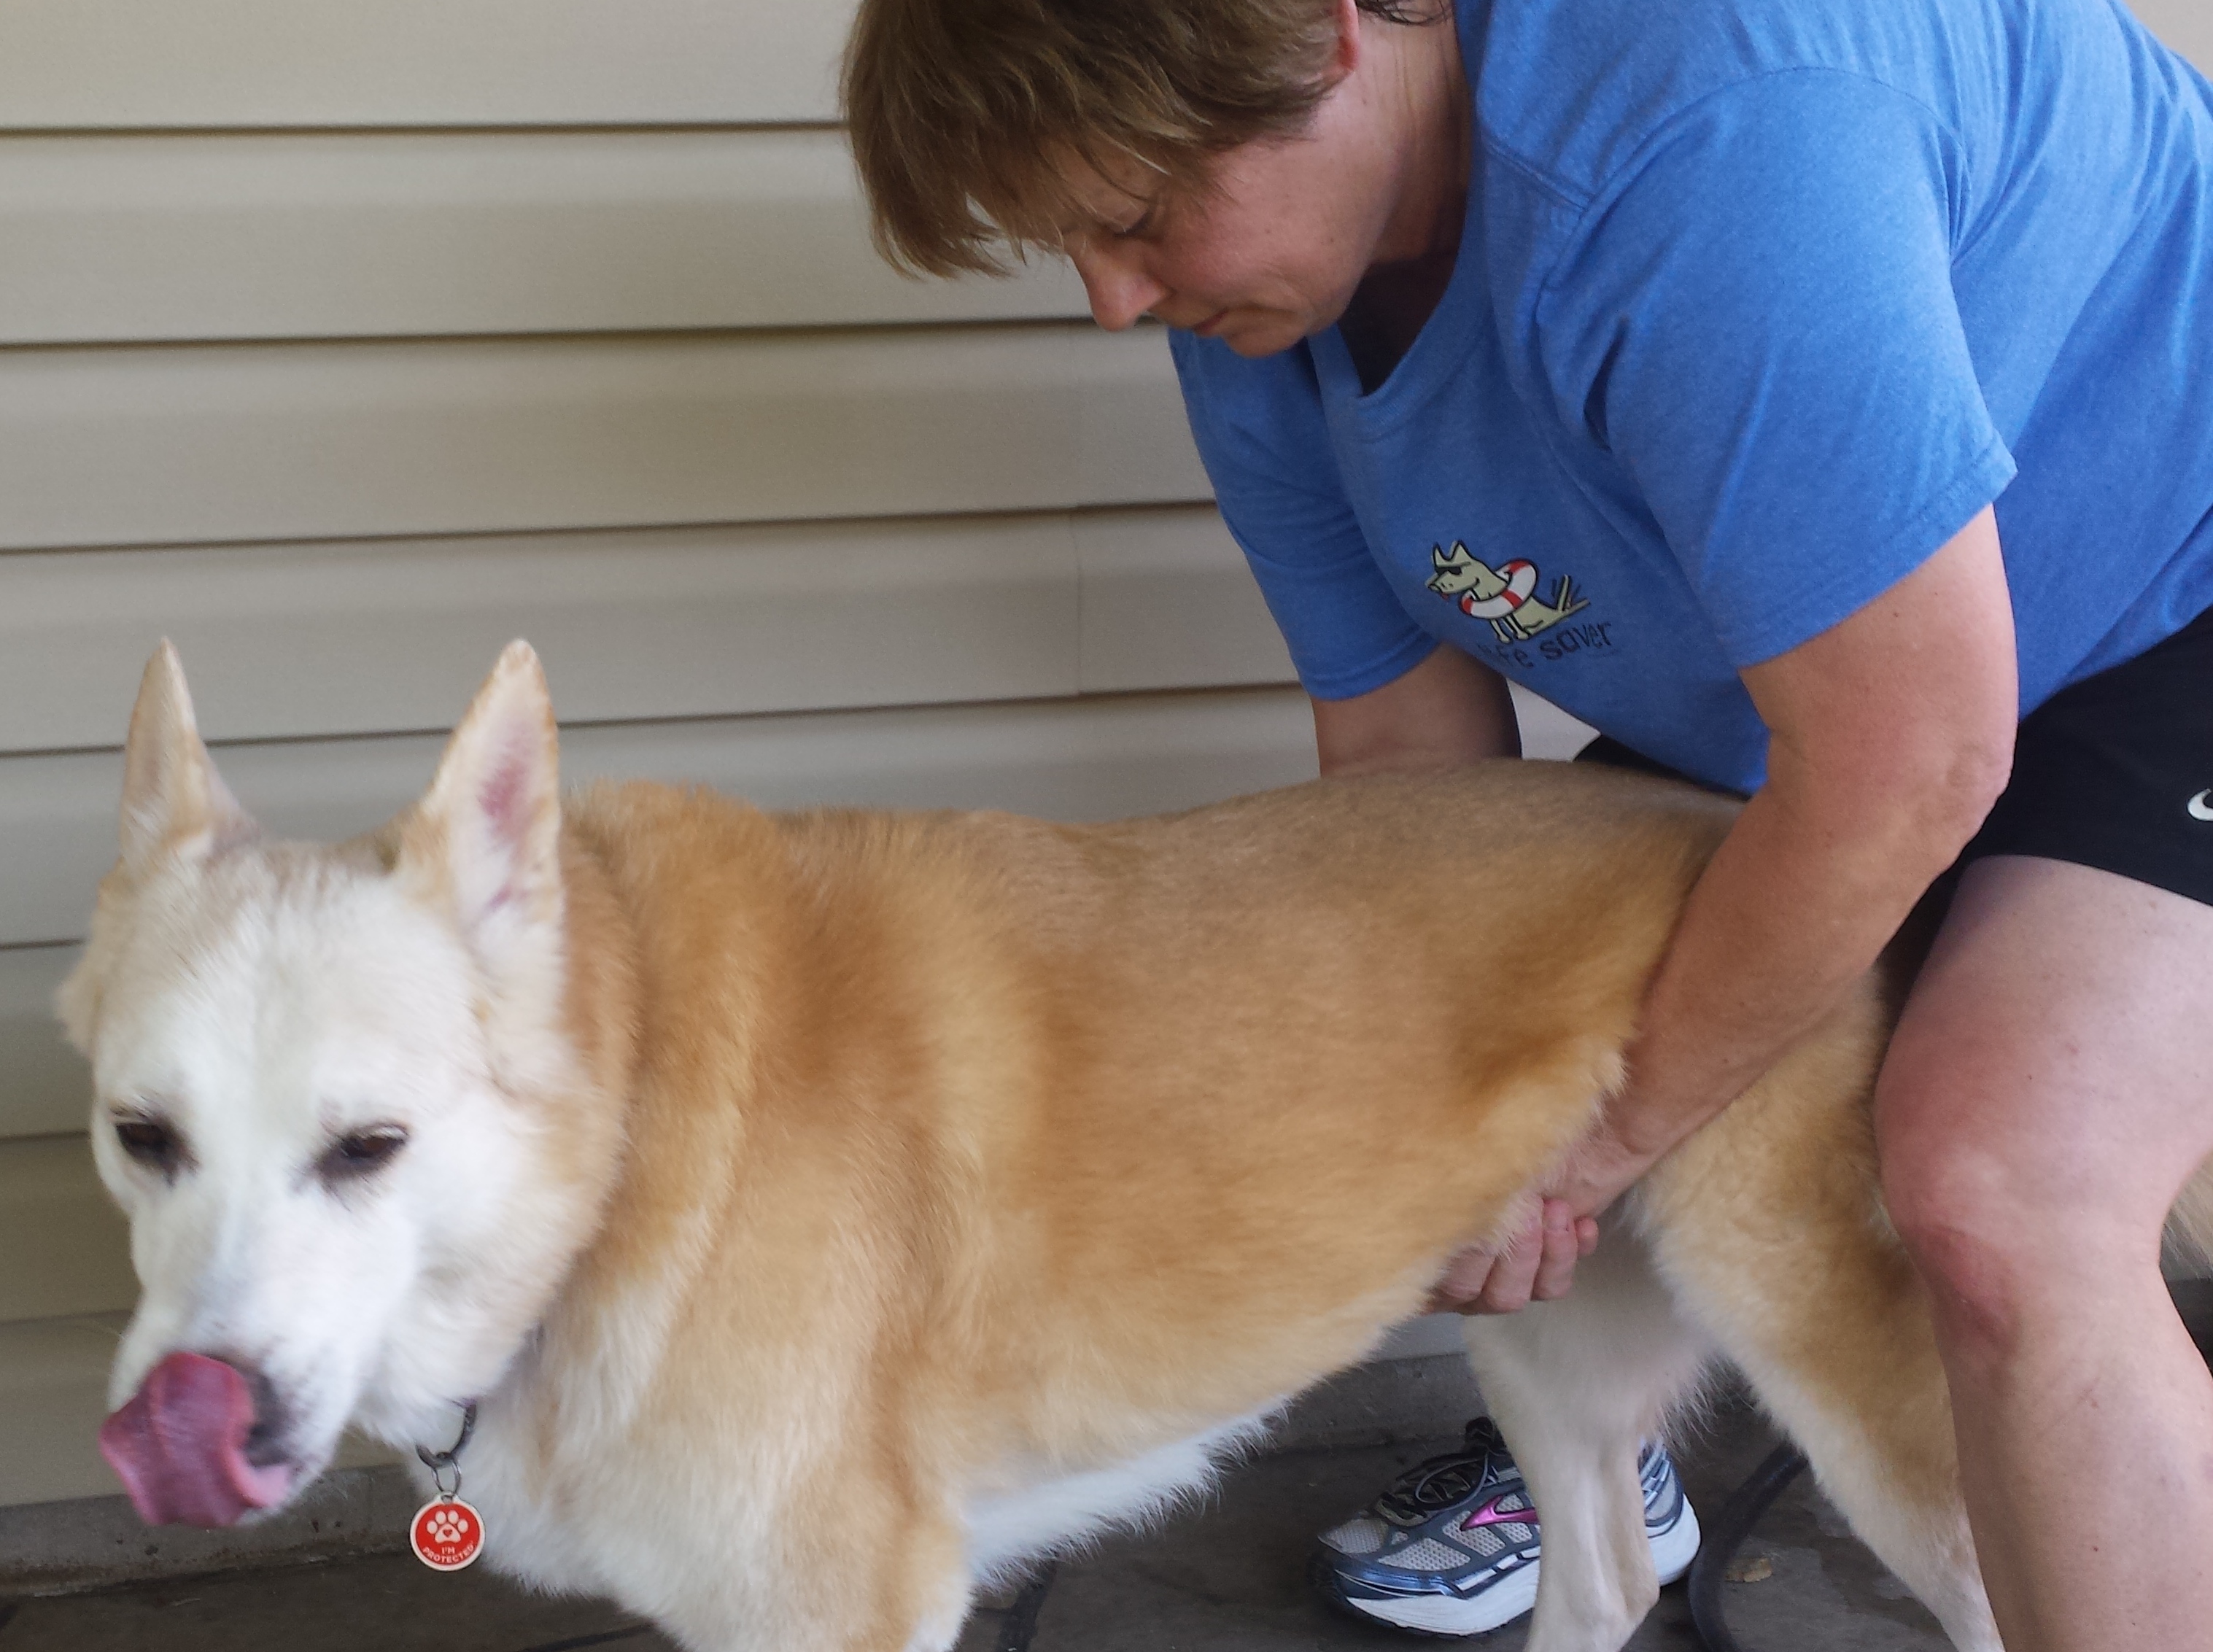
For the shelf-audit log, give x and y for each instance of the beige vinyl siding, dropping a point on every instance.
(437, 235)
(207, 442)
(107, 65)
(1093, 757)
(123, 64)
(53, 1388)
(45, 1090)
(2186, 25)
(290, 639)
(61, 1242)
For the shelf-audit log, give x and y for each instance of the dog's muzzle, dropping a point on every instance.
(181, 1446)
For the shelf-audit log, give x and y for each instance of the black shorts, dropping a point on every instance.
(2114, 773)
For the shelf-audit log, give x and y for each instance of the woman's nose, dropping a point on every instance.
(1119, 289)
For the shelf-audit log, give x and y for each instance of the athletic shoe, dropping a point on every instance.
(1451, 1545)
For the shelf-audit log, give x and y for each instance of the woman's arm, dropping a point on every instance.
(1447, 710)
(1891, 734)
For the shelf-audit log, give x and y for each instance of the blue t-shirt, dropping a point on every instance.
(1757, 303)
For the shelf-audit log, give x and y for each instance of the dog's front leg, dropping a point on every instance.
(863, 1587)
(944, 1610)
(828, 1622)
(1577, 1386)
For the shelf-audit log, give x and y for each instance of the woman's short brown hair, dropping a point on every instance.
(964, 113)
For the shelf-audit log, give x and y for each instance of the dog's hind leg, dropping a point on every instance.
(1577, 1386)
(1894, 1475)
(1769, 1229)
(1863, 1396)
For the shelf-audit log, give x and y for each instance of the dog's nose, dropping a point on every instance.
(269, 1441)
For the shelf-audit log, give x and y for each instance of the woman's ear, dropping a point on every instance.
(1345, 57)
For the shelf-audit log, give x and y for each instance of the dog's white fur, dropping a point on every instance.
(787, 1188)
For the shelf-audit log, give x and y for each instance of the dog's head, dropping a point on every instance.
(336, 1095)
(1457, 571)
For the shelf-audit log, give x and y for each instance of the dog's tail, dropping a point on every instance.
(2189, 1248)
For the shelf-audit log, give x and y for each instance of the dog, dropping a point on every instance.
(827, 1213)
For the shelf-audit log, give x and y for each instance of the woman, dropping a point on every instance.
(1804, 393)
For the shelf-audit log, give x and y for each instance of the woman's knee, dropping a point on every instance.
(1964, 1236)
(2000, 1219)
(2042, 1098)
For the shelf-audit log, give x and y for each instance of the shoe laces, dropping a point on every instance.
(1439, 1482)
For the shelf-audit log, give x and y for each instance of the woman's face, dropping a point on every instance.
(1272, 247)
(1268, 252)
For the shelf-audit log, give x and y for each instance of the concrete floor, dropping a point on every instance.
(1224, 1577)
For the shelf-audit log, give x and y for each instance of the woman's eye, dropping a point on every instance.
(362, 1153)
(151, 1142)
(1137, 226)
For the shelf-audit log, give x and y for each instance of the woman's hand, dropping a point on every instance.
(1537, 1263)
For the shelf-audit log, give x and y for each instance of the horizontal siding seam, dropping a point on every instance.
(433, 129)
(749, 525)
(789, 715)
(800, 333)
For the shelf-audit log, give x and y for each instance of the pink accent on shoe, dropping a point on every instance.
(1491, 1515)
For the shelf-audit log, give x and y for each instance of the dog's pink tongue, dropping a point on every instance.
(179, 1445)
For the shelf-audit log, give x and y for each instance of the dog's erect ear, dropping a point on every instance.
(487, 835)
(173, 802)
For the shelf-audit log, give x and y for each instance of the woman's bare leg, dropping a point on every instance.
(2048, 1092)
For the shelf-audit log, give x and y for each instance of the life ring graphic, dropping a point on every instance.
(1521, 577)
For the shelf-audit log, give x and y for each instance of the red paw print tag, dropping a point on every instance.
(447, 1535)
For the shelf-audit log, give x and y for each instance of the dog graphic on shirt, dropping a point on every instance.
(1505, 595)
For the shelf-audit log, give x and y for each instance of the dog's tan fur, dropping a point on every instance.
(928, 1160)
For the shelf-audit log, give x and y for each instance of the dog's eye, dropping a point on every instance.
(152, 1142)
(362, 1153)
